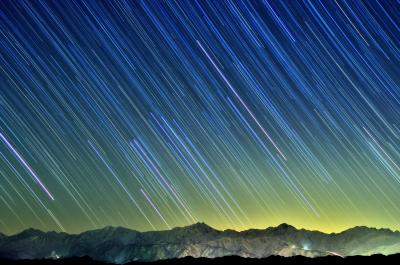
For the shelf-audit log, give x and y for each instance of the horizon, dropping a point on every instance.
(216, 229)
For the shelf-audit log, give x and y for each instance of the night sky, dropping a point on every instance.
(240, 114)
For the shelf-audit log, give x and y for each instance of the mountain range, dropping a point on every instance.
(122, 245)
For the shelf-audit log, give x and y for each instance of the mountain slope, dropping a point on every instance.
(121, 245)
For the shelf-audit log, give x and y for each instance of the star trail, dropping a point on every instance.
(240, 114)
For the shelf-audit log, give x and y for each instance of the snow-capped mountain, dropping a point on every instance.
(121, 245)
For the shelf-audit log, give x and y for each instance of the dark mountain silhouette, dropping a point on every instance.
(121, 245)
(295, 260)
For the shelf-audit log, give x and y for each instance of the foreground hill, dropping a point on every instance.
(121, 245)
(296, 260)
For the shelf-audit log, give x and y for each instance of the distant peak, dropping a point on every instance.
(200, 226)
(363, 229)
(286, 226)
(282, 228)
(31, 232)
(111, 229)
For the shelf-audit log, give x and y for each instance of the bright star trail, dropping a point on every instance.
(239, 114)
